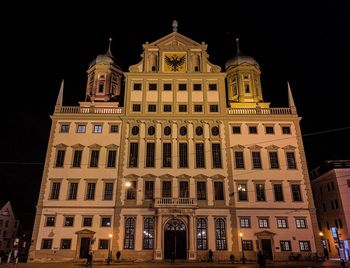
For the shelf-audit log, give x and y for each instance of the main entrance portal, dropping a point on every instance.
(175, 239)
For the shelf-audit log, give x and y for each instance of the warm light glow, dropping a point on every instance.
(110, 235)
(321, 234)
(241, 234)
(128, 184)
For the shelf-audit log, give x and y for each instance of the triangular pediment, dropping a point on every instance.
(78, 146)
(272, 147)
(200, 177)
(255, 147)
(61, 146)
(131, 176)
(238, 147)
(112, 146)
(95, 146)
(289, 147)
(149, 176)
(217, 177)
(85, 231)
(265, 233)
(183, 177)
(166, 176)
(174, 40)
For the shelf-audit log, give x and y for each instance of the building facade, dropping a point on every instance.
(331, 188)
(8, 226)
(199, 162)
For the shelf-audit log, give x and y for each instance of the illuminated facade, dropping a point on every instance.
(198, 158)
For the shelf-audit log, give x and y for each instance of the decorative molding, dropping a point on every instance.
(183, 177)
(238, 147)
(78, 146)
(289, 147)
(112, 146)
(60, 146)
(166, 176)
(255, 147)
(272, 147)
(217, 177)
(95, 146)
(131, 176)
(149, 176)
(200, 176)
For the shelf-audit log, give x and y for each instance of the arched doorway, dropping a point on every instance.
(175, 239)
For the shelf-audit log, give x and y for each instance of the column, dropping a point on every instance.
(191, 235)
(159, 251)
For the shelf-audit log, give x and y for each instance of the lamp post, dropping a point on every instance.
(243, 257)
(109, 258)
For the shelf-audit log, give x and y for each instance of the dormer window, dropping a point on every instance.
(247, 88)
(101, 84)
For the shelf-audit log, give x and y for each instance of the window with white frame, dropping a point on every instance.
(244, 222)
(286, 245)
(282, 223)
(301, 223)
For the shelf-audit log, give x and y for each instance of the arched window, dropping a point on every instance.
(148, 233)
(129, 238)
(220, 230)
(202, 240)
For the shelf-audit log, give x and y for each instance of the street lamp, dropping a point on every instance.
(243, 257)
(109, 258)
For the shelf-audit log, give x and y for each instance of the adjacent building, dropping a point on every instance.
(331, 188)
(8, 226)
(193, 160)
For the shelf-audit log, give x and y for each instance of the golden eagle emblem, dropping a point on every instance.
(175, 62)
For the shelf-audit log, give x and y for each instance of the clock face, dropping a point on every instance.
(175, 62)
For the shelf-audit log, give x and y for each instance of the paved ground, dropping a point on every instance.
(178, 264)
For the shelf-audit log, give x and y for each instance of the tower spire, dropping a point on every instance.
(238, 50)
(291, 99)
(109, 52)
(59, 100)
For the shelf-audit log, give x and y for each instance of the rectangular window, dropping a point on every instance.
(81, 128)
(55, 190)
(202, 239)
(274, 160)
(103, 244)
(87, 221)
(236, 130)
(301, 223)
(64, 128)
(50, 221)
(239, 160)
(97, 129)
(136, 107)
(263, 223)
(114, 129)
(197, 87)
(213, 87)
(90, 191)
(201, 190)
(278, 191)
(182, 86)
(247, 244)
(167, 108)
(269, 130)
(73, 191)
(200, 163)
(242, 192)
(253, 130)
(65, 243)
(285, 245)
(134, 154)
(184, 189)
(152, 108)
(137, 86)
(291, 160)
(77, 158)
(216, 150)
(296, 192)
(218, 190)
(46, 244)
(95, 154)
(106, 222)
(129, 235)
(108, 193)
(167, 154)
(282, 223)
(260, 192)
(152, 86)
(304, 245)
(167, 87)
(198, 108)
(183, 151)
(348, 183)
(213, 108)
(112, 158)
(149, 189)
(131, 191)
(244, 222)
(256, 159)
(69, 221)
(148, 233)
(60, 158)
(166, 189)
(182, 108)
(286, 130)
(220, 234)
(150, 154)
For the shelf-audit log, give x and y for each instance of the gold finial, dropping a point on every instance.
(238, 51)
(109, 52)
(175, 24)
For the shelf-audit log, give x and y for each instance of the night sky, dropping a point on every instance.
(307, 44)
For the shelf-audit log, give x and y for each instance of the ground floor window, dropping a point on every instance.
(220, 231)
(129, 238)
(148, 233)
(202, 240)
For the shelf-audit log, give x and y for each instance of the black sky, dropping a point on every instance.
(307, 44)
